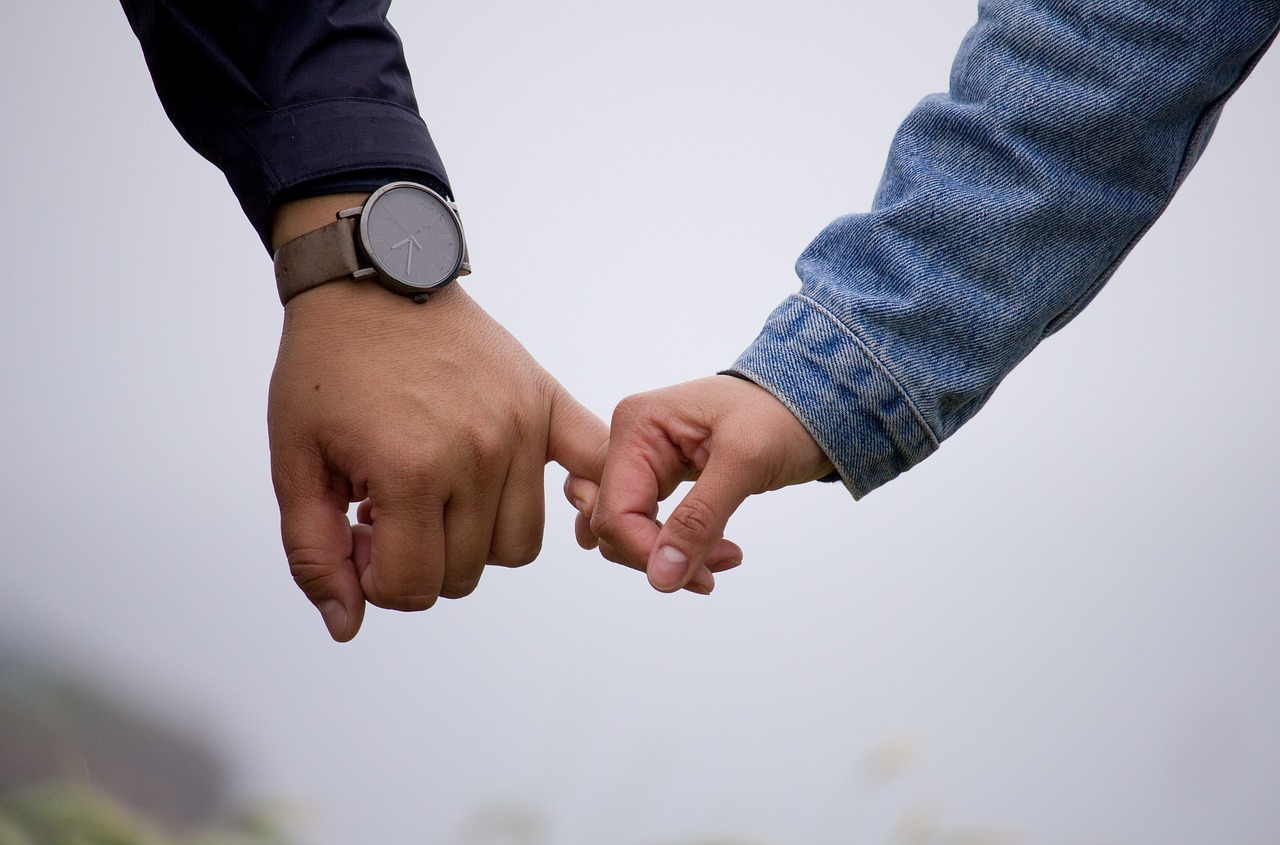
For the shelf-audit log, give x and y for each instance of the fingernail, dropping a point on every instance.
(668, 568)
(335, 617)
(579, 505)
(700, 589)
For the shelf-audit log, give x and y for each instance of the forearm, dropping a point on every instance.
(1004, 207)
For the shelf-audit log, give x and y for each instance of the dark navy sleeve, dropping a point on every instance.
(289, 98)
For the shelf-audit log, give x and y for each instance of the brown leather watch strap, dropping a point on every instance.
(320, 256)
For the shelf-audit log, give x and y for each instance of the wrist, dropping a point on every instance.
(359, 310)
(403, 236)
(785, 426)
(298, 217)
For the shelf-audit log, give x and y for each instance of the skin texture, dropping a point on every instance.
(730, 436)
(433, 417)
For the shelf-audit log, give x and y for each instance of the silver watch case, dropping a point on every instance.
(428, 228)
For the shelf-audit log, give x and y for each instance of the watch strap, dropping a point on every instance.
(322, 255)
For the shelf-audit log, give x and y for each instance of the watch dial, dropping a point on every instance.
(412, 237)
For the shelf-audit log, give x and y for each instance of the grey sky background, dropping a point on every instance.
(1061, 627)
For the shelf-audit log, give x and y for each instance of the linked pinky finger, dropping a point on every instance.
(581, 494)
(582, 531)
(724, 556)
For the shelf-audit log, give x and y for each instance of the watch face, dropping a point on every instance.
(411, 236)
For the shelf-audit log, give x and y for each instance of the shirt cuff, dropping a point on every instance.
(308, 149)
(840, 392)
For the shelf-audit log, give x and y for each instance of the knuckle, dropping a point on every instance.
(382, 447)
(414, 487)
(628, 411)
(403, 603)
(516, 554)
(604, 525)
(401, 598)
(459, 589)
(308, 573)
(693, 518)
(480, 447)
(409, 472)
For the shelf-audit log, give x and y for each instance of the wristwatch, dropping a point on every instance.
(406, 237)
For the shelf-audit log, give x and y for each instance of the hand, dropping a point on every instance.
(437, 421)
(732, 436)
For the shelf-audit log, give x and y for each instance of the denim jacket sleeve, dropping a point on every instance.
(1004, 207)
(288, 98)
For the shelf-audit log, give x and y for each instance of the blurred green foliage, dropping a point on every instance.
(79, 815)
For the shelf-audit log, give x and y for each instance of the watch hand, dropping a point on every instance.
(408, 264)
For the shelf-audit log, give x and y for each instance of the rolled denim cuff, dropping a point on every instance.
(848, 401)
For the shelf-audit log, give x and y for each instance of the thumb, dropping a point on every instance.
(322, 552)
(577, 439)
(693, 533)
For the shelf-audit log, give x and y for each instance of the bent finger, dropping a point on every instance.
(406, 554)
(320, 549)
(691, 534)
(582, 494)
(521, 513)
(468, 534)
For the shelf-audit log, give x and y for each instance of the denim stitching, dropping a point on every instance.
(879, 365)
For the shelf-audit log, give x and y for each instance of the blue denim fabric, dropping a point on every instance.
(1004, 207)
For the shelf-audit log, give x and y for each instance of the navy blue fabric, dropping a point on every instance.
(288, 99)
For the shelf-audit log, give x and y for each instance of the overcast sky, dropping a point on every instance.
(1062, 626)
